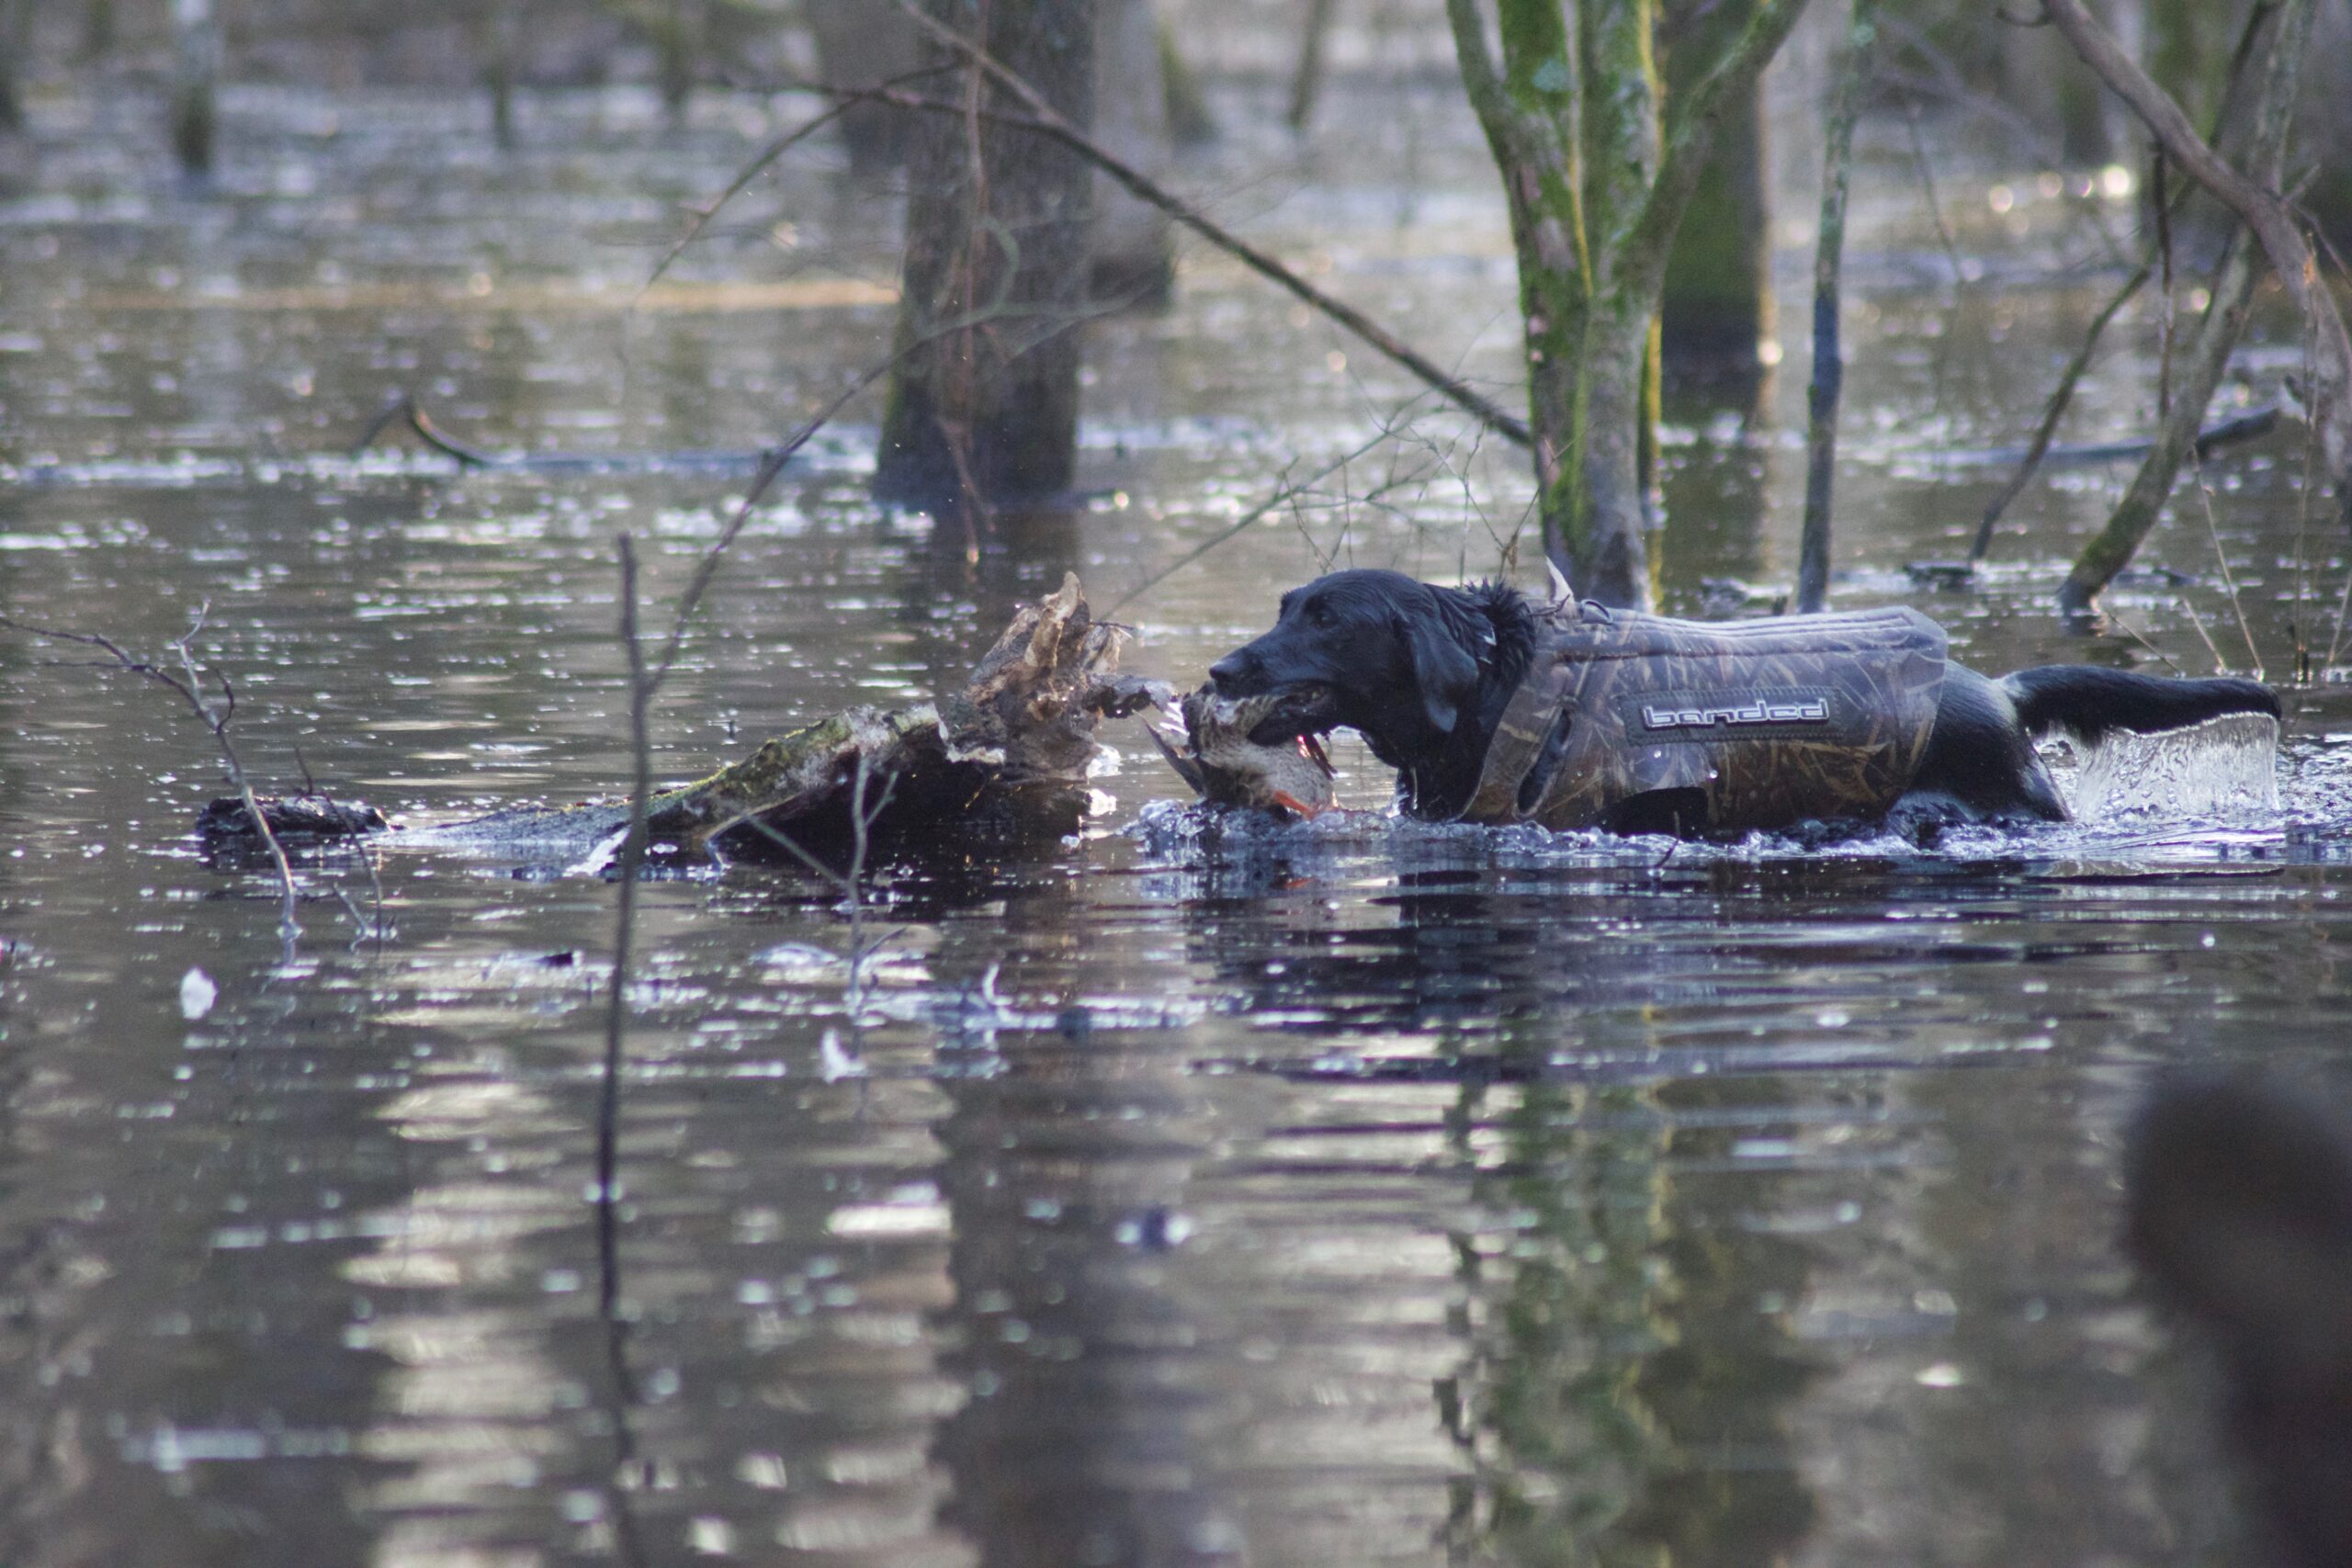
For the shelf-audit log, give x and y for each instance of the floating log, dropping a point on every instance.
(1022, 729)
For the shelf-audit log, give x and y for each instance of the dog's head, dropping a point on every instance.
(1375, 652)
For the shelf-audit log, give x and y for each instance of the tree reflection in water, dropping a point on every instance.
(1617, 1402)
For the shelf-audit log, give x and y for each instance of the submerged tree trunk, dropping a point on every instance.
(678, 42)
(498, 40)
(983, 401)
(1190, 123)
(195, 83)
(1717, 311)
(16, 143)
(1133, 248)
(860, 43)
(1306, 80)
(1597, 176)
(16, 33)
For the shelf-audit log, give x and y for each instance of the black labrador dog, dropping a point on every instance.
(1424, 674)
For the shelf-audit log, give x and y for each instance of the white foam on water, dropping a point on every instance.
(2224, 767)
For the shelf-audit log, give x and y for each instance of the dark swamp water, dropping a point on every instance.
(1342, 1194)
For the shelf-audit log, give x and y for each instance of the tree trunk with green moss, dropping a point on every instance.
(1597, 167)
(983, 400)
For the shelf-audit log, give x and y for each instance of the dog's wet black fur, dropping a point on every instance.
(1423, 673)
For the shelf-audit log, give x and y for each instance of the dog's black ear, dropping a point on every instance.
(1444, 671)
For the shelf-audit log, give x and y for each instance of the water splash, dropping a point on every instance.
(2226, 766)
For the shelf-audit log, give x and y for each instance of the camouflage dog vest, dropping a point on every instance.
(1770, 721)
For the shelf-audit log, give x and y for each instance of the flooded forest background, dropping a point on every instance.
(1159, 1187)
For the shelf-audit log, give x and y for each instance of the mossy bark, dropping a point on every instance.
(1597, 172)
(983, 400)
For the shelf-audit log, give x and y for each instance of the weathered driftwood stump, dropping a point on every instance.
(1022, 731)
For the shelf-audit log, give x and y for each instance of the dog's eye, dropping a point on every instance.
(1319, 614)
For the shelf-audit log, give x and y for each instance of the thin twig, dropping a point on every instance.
(189, 687)
(2136, 635)
(2343, 605)
(311, 788)
(2229, 582)
(851, 882)
(2052, 413)
(1828, 365)
(2197, 622)
(406, 407)
(1241, 525)
(2164, 280)
(1927, 188)
(608, 1102)
(843, 100)
(2168, 201)
(2256, 205)
(631, 861)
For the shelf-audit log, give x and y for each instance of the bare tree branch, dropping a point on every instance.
(845, 99)
(2263, 210)
(2052, 411)
(189, 687)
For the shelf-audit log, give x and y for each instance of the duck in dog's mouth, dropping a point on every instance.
(1264, 751)
(1302, 714)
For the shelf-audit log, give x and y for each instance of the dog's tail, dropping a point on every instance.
(2085, 702)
